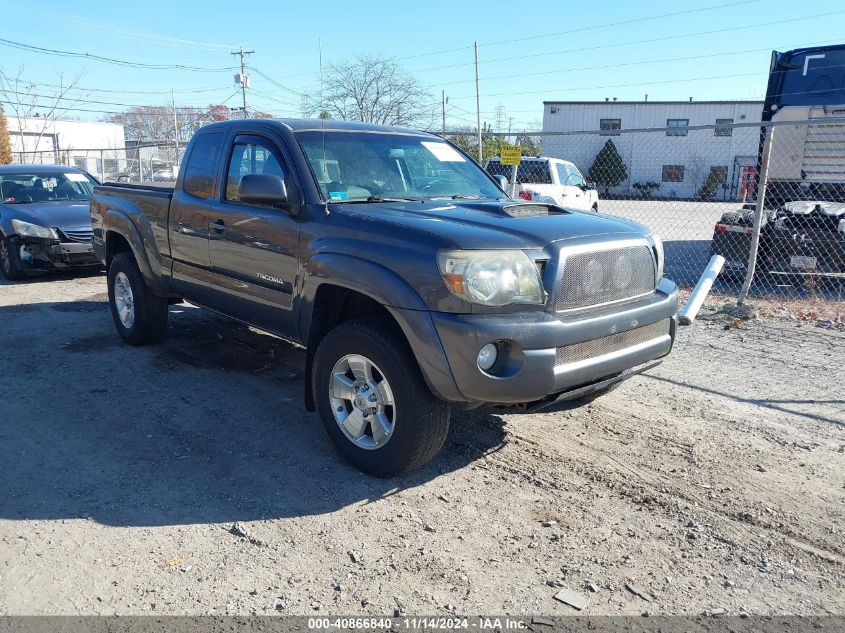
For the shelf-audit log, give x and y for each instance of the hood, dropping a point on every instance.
(492, 224)
(65, 214)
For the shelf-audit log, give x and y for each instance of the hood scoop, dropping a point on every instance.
(531, 210)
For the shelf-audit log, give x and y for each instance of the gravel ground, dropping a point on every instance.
(188, 478)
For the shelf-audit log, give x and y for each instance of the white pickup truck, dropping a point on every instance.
(549, 180)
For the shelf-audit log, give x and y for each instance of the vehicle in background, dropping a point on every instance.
(165, 174)
(45, 224)
(411, 279)
(802, 232)
(549, 181)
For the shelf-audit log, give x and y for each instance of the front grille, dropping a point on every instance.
(609, 344)
(605, 276)
(76, 235)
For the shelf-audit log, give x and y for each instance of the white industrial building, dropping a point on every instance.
(94, 146)
(677, 158)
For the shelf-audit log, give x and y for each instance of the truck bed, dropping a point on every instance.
(164, 188)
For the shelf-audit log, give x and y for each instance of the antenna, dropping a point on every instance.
(322, 119)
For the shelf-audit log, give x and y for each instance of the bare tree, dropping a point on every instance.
(36, 101)
(5, 145)
(375, 89)
(157, 124)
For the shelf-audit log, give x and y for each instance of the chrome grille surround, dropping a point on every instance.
(76, 235)
(586, 350)
(588, 278)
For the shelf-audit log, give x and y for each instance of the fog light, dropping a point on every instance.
(487, 356)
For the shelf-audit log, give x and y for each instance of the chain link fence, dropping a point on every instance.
(769, 197)
(140, 162)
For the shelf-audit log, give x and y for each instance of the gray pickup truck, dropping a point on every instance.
(411, 279)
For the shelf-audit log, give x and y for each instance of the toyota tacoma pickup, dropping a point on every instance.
(401, 266)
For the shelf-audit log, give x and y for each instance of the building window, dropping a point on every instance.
(720, 174)
(80, 163)
(610, 126)
(678, 127)
(724, 131)
(673, 173)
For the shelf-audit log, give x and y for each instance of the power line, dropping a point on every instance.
(633, 42)
(75, 99)
(274, 82)
(658, 16)
(636, 63)
(28, 83)
(110, 60)
(61, 109)
(126, 33)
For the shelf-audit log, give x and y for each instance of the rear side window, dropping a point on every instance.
(529, 172)
(202, 165)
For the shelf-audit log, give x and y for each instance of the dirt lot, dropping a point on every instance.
(718, 481)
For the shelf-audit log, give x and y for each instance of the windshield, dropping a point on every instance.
(23, 187)
(366, 165)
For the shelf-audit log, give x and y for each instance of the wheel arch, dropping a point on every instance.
(122, 235)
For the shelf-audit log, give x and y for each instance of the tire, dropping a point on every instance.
(10, 260)
(419, 420)
(148, 322)
(595, 208)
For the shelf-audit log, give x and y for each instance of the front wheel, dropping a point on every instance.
(139, 316)
(373, 401)
(10, 260)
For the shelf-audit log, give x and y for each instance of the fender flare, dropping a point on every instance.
(120, 223)
(353, 273)
(396, 295)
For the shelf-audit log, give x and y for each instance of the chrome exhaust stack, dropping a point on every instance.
(688, 313)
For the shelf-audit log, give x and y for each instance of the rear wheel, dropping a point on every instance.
(139, 316)
(10, 260)
(373, 401)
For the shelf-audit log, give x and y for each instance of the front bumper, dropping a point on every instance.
(45, 255)
(548, 354)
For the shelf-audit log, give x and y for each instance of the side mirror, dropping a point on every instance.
(588, 186)
(503, 182)
(262, 189)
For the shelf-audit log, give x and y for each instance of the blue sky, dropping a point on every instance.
(543, 50)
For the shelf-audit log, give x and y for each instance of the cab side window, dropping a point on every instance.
(202, 165)
(252, 158)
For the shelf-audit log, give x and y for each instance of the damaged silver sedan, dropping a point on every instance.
(45, 224)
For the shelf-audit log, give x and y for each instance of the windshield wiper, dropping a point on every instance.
(466, 196)
(378, 199)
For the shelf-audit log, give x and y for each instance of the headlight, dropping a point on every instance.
(658, 251)
(26, 229)
(493, 278)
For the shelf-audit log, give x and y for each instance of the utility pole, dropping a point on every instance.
(175, 125)
(243, 79)
(444, 112)
(478, 106)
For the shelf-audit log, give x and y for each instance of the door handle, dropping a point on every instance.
(218, 226)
